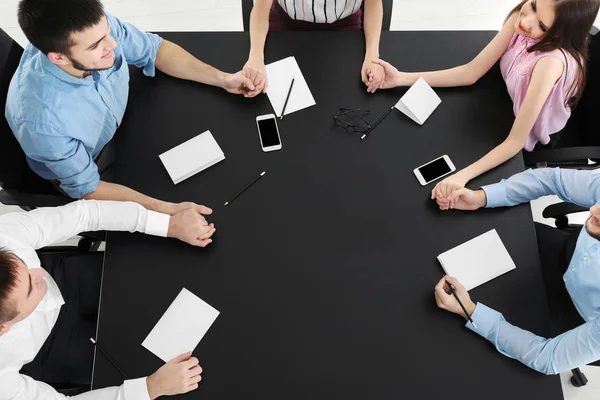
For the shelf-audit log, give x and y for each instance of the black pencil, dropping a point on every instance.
(461, 304)
(376, 123)
(109, 358)
(246, 188)
(287, 98)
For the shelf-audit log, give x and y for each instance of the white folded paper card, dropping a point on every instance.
(477, 261)
(419, 102)
(192, 157)
(181, 327)
(280, 75)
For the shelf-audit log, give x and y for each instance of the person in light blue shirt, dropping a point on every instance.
(69, 93)
(578, 346)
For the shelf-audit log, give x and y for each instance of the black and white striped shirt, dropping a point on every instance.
(320, 11)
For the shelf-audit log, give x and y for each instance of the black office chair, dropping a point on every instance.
(387, 13)
(20, 185)
(579, 140)
(60, 261)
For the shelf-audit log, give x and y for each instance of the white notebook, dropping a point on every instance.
(192, 157)
(419, 102)
(280, 75)
(181, 327)
(477, 261)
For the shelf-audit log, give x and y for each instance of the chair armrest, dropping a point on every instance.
(560, 210)
(567, 157)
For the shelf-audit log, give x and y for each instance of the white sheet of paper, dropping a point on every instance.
(191, 157)
(477, 261)
(419, 102)
(280, 75)
(181, 327)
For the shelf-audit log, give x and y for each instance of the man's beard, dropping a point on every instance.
(80, 67)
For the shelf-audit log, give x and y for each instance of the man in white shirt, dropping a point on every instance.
(30, 300)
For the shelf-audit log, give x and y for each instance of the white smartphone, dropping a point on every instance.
(434, 170)
(268, 132)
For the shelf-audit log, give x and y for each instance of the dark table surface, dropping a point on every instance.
(324, 271)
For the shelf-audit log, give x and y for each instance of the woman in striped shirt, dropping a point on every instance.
(302, 15)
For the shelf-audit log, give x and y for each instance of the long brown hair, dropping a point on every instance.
(569, 33)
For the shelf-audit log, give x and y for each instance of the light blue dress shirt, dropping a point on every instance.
(578, 346)
(63, 122)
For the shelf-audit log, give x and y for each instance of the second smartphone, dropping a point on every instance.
(268, 132)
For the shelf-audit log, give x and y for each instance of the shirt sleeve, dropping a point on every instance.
(573, 186)
(45, 226)
(572, 349)
(14, 386)
(140, 48)
(65, 156)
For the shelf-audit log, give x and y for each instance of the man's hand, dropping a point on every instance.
(372, 75)
(392, 77)
(190, 226)
(446, 301)
(255, 71)
(443, 189)
(178, 376)
(466, 199)
(238, 84)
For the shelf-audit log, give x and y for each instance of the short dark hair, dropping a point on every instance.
(9, 276)
(48, 24)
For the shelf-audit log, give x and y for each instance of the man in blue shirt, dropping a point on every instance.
(69, 94)
(578, 346)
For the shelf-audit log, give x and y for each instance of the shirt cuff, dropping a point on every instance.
(136, 389)
(495, 194)
(157, 224)
(485, 318)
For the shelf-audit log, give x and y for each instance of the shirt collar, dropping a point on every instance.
(55, 70)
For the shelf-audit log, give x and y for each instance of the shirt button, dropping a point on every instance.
(565, 280)
(573, 269)
(585, 258)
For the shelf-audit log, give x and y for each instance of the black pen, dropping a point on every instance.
(109, 358)
(461, 304)
(377, 123)
(246, 188)
(287, 98)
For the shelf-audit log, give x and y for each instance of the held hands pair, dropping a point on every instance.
(372, 75)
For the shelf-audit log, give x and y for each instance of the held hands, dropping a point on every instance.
(238, 83)
(190, 226)
(442, 191)
(446, 301)
(392, 77)
(372, 75)
(256, 72)
(178, 376)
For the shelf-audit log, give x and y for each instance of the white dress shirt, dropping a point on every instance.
(23, 232)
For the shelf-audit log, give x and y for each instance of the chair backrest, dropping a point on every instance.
(583, 126)
(14, 170)
(387, 13)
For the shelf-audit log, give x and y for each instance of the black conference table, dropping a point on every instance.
(324, 271)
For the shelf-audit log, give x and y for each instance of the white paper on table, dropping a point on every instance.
(419, 102)
(191, 157)
(279, 76)
(477, 261)
(181, 327)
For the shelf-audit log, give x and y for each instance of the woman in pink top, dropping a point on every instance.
(543, 48)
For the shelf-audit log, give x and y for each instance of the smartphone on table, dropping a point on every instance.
(434, 170)
(268, 132)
